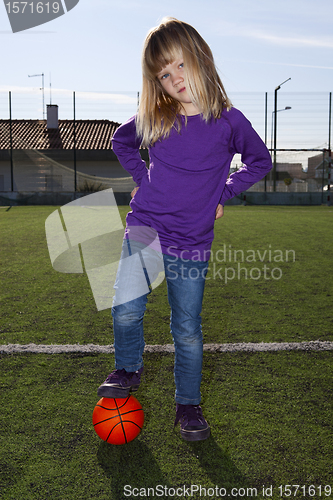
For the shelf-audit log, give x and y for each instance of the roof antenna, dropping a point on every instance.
(42, 88)
(50, 91)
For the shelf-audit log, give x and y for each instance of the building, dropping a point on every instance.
(42, 155)
(318, 166)
(293, 170)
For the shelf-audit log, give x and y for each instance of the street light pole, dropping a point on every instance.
(273, 112)
(275, 131)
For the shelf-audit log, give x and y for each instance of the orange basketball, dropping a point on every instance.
(118, 421)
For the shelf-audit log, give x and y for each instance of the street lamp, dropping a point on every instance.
(275, 130)
(273, 113)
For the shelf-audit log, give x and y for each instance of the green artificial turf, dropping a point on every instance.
(244, 301)
(270, 415)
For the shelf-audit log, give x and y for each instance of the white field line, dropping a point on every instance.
(314, 345)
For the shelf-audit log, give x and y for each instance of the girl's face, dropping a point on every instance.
(172, 79)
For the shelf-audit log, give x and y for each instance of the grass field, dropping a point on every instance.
(270, 413)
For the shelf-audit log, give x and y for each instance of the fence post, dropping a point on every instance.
(329, 150)
(329, 177)
(329, 120)
(266, 135)
(275, 126)
(323, 178)
(11, 143)
(74, 142)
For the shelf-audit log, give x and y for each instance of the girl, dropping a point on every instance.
(192, 131)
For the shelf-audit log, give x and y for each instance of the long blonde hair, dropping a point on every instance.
(158, 113)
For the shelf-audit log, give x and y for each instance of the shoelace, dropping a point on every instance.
(190, 411)
(117, 373)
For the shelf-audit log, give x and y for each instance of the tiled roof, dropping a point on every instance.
(33, 134)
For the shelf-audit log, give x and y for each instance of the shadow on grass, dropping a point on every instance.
(219, 467)
(133, 465)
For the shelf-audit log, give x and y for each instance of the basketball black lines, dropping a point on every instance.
(118, 420)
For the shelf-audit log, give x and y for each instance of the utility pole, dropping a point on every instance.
(275, 131)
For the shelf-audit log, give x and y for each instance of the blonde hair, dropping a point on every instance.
(158, 113)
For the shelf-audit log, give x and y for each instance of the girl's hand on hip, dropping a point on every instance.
(134, 191)
(219, 211)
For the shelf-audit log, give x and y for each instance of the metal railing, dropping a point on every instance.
(302, 137)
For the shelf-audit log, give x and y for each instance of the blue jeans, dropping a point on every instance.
(185, 283)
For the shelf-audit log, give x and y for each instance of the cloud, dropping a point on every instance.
(294, 65)
(302, 65)
(116, 97)
(288, 41)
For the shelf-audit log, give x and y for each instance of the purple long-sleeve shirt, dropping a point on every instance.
(188, 177)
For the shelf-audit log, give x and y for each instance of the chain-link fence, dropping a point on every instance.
(66, 146)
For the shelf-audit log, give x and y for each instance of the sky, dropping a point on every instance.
(96, 46)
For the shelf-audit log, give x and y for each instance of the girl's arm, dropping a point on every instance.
(126, 146)
(254, 155)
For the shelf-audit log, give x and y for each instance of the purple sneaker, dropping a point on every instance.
(120, 383)
(193, 426)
